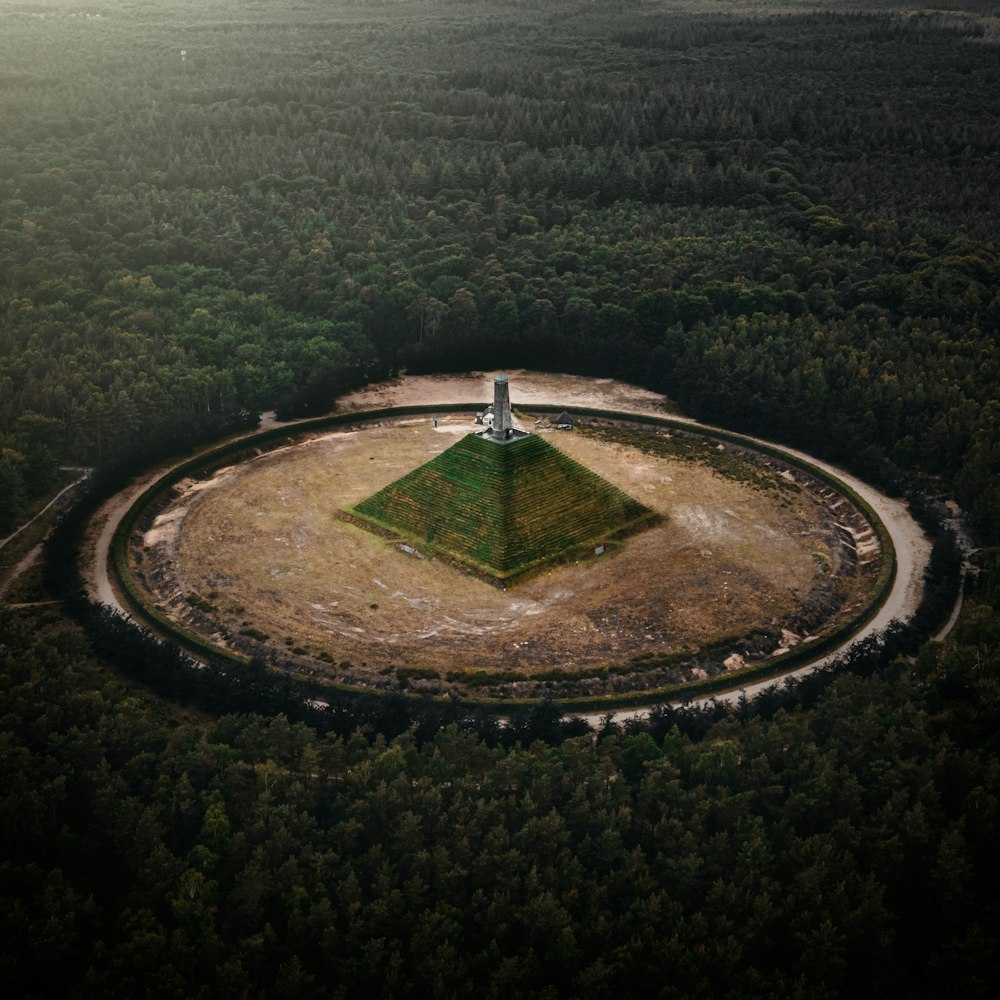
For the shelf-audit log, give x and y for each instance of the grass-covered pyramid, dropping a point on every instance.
(503, 509)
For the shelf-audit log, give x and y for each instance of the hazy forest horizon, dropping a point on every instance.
(781, 215)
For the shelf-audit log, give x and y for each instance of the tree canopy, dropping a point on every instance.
(783, 216)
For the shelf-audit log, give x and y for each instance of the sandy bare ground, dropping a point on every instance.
(912, 547)
(527, 388)
(103, 527)
(912, 555)
(539, 387)
(259, 540)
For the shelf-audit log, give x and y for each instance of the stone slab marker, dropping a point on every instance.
(503, 424)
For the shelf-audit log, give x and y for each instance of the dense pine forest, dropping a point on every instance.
(782, 215)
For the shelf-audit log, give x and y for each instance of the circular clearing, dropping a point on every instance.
(754, 556)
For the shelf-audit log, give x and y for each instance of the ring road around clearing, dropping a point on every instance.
(899, 599)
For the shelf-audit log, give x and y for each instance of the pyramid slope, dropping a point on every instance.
(503, 509)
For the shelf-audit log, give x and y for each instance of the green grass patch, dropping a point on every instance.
(504, 509)
(206, 607)
(417, 673)
(255, 633)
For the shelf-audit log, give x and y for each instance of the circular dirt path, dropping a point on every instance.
(746, 549)
(911, 545)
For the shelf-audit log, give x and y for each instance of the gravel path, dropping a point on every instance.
(107, 519)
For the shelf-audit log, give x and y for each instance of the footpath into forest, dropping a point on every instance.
(33, 554)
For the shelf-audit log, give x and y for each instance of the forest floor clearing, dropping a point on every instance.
(527, 388)
(256, 550)
(912, 547)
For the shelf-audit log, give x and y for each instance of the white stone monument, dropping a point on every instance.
(503, 423)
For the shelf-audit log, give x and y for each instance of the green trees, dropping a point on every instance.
(11, 488)
(180, 250)
(842, 850)
(978, 481)
(787, 223)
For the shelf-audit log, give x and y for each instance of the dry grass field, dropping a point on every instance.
(256, 555)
